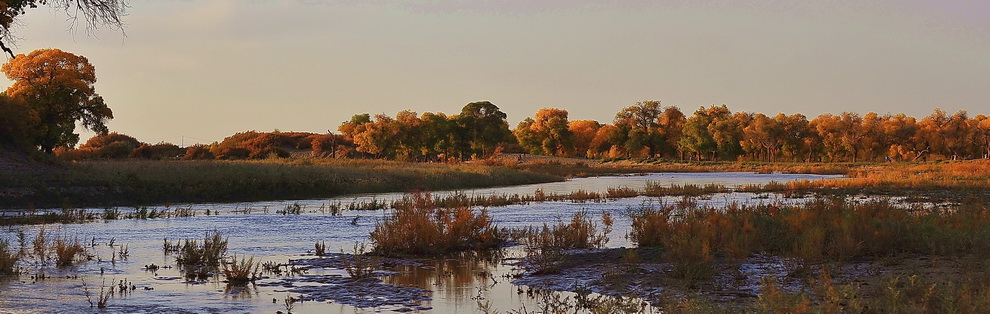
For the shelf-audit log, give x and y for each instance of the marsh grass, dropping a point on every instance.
(421, 228)
(103, 299)
(135, 182)
(545, 246)
(939, 179)
(359, 264)
(821, 230)
(241, 272)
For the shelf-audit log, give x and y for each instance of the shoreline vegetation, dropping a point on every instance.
(141, 182)
(148, 182)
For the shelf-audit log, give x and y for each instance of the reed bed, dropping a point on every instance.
(817, 231)
(958, 178)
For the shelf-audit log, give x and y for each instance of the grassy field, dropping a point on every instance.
(135, 182)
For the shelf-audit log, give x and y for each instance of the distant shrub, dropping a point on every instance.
(70, 154)
(198, 152)
(157, 151)
(100, 141)
(324, 145)
(111, 146)
(230, 152)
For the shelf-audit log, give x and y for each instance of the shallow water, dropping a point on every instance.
(451, 285)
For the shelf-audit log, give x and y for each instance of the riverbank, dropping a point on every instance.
(141, 182)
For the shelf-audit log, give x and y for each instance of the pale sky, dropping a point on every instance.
(208, 69)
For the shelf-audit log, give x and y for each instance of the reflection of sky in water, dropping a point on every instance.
(275, 237)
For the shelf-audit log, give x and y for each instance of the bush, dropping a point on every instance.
(420, 228)
(157, 151)
(198, 152)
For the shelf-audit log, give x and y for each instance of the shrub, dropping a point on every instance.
(198, 152)
(157, 151)
(420, 228)
(579, 233)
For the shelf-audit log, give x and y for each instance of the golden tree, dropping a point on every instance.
(57, 87)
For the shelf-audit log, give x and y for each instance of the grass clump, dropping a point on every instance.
(8, 258)
(421, 228)
(200, 260)
(68, 252)
(359, 264)
(320, 248)
(240, 272)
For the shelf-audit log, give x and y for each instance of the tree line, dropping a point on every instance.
(649, 130)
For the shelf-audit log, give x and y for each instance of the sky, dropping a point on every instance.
(191, 71)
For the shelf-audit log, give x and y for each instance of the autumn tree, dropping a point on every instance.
(57, 87)
(584, 132)
(982, 130)
(547, 133)
(17, 123)
(696, 137)
(379, 137)
(900, 137)
(796, 138)
(761, 136)
(485, 127)
(651, 128)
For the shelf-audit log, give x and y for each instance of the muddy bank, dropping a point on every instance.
(744, 284)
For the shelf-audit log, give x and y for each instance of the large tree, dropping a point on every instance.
(57, 87)
(485, 126)
(94, 13)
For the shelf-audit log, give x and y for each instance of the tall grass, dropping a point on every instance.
(421, 228)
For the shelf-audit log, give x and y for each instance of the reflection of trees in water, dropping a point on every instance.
(457, 274)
